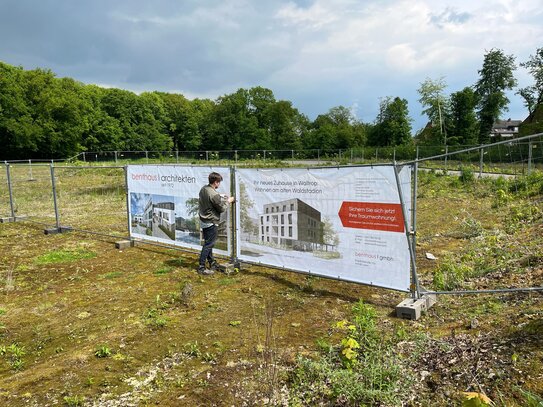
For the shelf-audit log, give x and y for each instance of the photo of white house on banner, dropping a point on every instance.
(344, 223)
(164, 204)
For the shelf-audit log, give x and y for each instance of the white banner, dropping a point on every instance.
(344, 223)
(164, 204)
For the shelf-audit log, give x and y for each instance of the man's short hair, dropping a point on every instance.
(214, 177)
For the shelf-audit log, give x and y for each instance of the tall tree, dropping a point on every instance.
(436, 107)
(464, 125)
(393, 124)
(286, 125)
(337, 129)
(496, 77)
(533, 95)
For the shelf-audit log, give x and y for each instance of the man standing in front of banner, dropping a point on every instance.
(210, 205)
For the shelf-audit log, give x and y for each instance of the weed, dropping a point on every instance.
(209, 357)
(14, 353)
(450, 275)
(74, 401)
(501, 199)
(102, 352)
(153, 317)
(163, 270)
(323, 345)
(234, 323)
(193, 349)
(466, 175)
(2, 311)
(471, 227)
(528, 398)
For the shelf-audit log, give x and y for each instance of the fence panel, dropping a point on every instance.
(92, 199)
(32, 192)
(340, 222)
(5, 208)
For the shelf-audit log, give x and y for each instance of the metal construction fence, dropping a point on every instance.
(93, 198)
(517, 156)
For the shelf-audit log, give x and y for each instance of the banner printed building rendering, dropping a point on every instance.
(344, 222)
(164, 204)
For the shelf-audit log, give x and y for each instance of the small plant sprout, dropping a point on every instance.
(102, 352)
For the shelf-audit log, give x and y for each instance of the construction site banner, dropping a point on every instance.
(164, 204)
(344, 222)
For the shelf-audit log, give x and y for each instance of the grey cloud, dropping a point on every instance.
(449, 16)
(167, 44)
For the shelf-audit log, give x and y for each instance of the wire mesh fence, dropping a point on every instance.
(32, 195)
(92, 199)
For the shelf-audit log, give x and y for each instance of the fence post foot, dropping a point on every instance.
(54, 231)
(411, 308)
(124, 244)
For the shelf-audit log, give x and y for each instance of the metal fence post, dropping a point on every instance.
(84, 158)
(394, 154)
(147, 157)
(54, 187)
(127, 199)
(530, 146)
(207, 155)
(115, 157)
(11, 204)
(414, 202)
(30, 170)
(176, 156)
(480, 162)
(446, 156)
(415, 288)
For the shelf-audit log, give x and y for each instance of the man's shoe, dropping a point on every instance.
(205, 272)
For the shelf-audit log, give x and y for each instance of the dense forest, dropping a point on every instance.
(42, 116)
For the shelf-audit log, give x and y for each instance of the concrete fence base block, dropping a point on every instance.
(413, 308)
(226, 268)
(124, 244)
(7, 220)
(54, 231)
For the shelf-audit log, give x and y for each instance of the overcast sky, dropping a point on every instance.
(317, 54)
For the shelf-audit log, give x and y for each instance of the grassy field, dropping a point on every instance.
(84, 324)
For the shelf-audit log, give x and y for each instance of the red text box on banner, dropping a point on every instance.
(372, 215)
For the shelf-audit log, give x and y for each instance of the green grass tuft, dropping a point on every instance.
(64, 256)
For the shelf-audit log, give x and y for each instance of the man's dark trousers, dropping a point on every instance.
(210, 237)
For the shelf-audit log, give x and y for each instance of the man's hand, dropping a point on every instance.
(231, 199)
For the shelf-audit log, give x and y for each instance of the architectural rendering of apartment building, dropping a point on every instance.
(291, 223)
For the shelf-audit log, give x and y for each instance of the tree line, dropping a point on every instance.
(466, 117)
(42, 116)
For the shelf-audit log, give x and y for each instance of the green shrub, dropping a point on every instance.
(466, 175)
